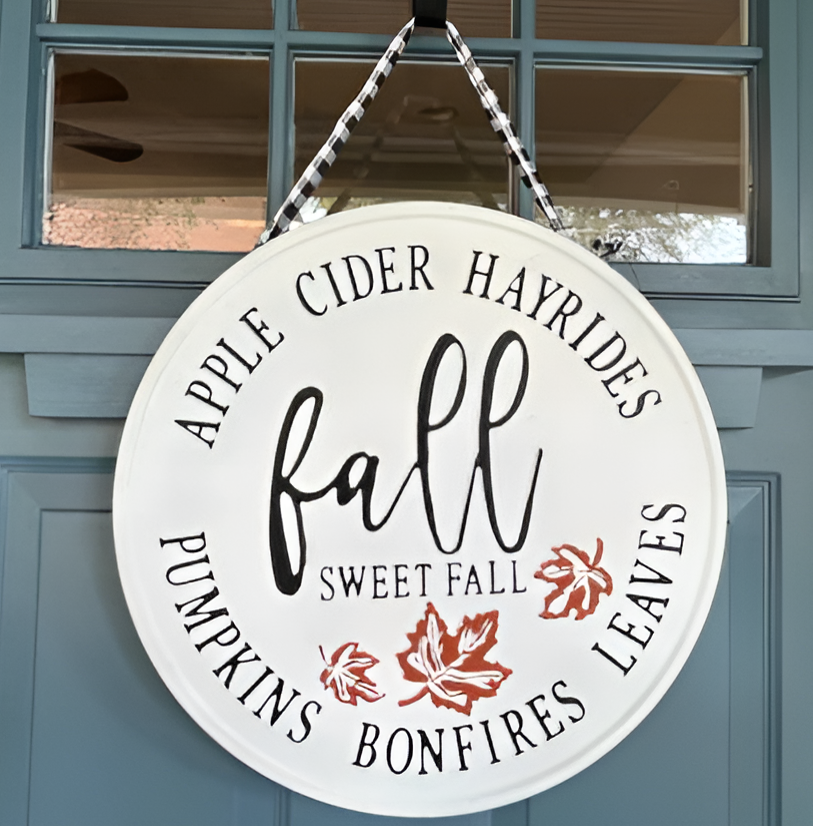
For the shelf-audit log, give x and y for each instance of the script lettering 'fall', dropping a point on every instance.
(284, 488)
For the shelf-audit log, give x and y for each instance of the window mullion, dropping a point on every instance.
(280, 129)
(524, 103)
(73, 34)
(648, 55)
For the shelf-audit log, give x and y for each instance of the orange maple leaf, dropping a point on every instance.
(346, 674)
(579, 582)
(453, 669)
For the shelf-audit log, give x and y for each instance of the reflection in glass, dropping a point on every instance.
(706, 22)
(425, 136)
(203, 14)
(474, 18)
(654, 161)
(158, 152)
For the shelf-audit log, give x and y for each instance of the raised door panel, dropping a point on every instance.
(89, 735)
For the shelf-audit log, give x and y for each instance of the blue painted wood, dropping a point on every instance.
(307, 812)
(88, 734)
(102, 386)
(733, 393)
(142, 335)
(76, 386)
(69, 34)
(753, 651)
(281, 127)
(91, 367)
(77, 334)
(704, 755)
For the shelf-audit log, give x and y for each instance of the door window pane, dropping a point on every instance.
(657, 161)
(474, 18)
(157, 152)
(203, 14)
(425, 136)
(707, 22)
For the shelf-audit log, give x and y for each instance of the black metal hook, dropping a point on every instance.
(429, 13)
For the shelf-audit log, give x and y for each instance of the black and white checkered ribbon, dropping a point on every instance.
(325, 157)
(502, 126)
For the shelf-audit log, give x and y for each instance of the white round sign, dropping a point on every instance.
(419, 510)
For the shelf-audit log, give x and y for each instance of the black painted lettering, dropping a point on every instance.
(516, 589)
(473, 581)
(660, 542)
(328, 569)
(409, 751)
(276, 696)
(306, 723)
(351, 581)
(486, 274)
(543, 718)
(664, 511)
(462, 747)
(194, 544)
(487, 424)
(422, 566)
(646, 603)
(196, 575)
(515, 730)
(339, 300)
(195, 611)
(568, 701)
(587, 330)
(385, 267)
(368, 271)
(400, 580)
(364, 743)
(379, 581)
(236, 660)
(452, 577)
(493, 584)
(250, 690)
(625, 669)
(565, 312)
(640, 404)
(226, 636)
(613, 357)
(437, 756)
(658, 577)
(259, 328)
(629, 631)
(544, 295)
(627, 375)
(494, 758)
(301, 295)
(205, 395)
(416, 268)
(220, 368)
(232, 352)
(514, 288)
(197, 429)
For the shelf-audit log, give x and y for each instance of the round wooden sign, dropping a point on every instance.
(420, 509)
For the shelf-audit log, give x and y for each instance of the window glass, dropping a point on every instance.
(154, 152)
(204, 14)
(656, 161)
(474, 18)
(425, 136)
(708, 22)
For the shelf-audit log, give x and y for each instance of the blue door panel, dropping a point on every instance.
(103, 743)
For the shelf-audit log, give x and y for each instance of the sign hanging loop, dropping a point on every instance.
(500, 123)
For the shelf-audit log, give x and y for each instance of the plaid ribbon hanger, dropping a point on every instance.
(427, 13)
